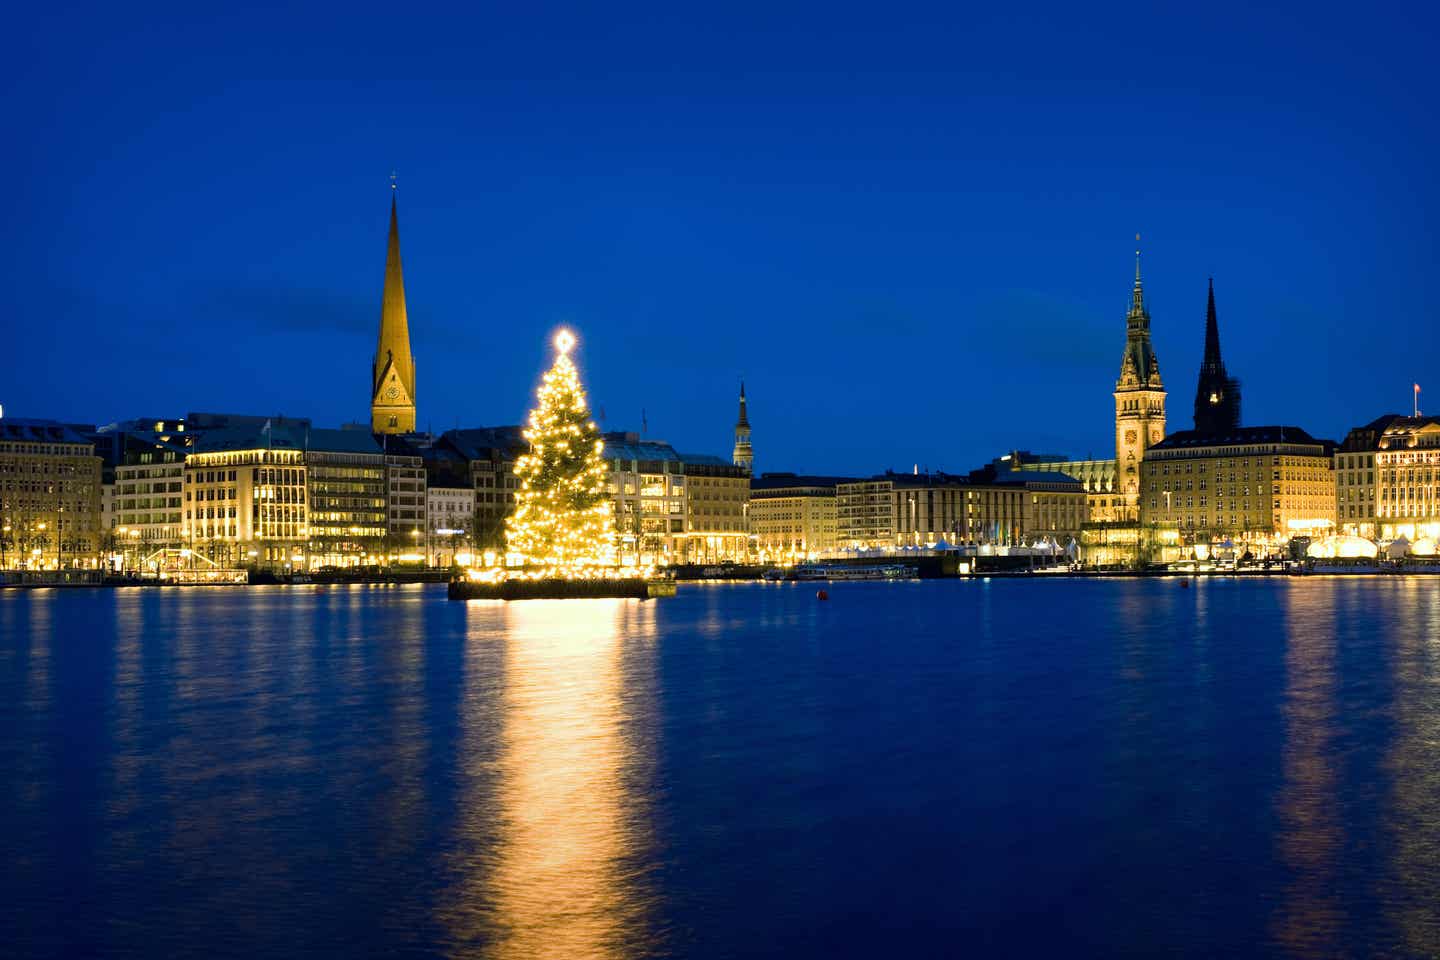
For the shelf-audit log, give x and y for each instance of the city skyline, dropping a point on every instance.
(834, 251)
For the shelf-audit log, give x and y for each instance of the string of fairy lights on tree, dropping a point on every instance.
(563, 523)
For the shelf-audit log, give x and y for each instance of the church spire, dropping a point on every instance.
(1217, 394)
(392, 381)
(1212, 333)
(743, 454)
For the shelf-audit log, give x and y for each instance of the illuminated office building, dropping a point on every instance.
(1253, 486)
(49, 496)
(793, 517)
(1388, 479)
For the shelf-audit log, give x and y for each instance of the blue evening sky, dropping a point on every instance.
(909, 228)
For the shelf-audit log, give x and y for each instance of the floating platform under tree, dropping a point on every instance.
(556, 589)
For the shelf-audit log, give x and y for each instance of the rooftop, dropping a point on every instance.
(1189, 439)
(784, 481)
(21, 430)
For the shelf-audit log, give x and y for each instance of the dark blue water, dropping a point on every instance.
(983, 768)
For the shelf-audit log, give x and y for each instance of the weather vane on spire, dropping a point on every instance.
(395, 186)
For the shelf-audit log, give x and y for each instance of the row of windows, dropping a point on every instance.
(210, 476)
(210, 513)
(131, 488)
(47, 449)
(69, 487)
(145, 503)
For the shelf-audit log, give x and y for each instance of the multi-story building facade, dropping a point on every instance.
(147, 502)
(348, 510)
(49, 496)
(288, 495)
(142, 490)
(648, 483)
(986, 507)
(1387, 479)
(1056, 506)
(1256, 487)
(673, 507)
(1357, 483)
(716, 503)
(865, 513)
(489, 454)
(246, 498)
(406, 480)
(793, 517)
(934, 508)
(450, 523)
(1104, 502)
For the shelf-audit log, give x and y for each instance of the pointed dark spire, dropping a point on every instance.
(1217, 394)
(1212, 334)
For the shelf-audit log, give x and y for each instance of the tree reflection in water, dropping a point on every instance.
(570, 827)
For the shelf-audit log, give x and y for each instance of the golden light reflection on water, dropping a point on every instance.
(1311, 839)
(570, 822)
(1413, 818)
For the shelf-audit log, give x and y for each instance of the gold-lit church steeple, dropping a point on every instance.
(392, 382)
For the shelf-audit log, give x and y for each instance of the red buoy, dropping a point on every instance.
(822, 595)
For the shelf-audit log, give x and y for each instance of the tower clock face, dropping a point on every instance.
(1129, 436)
(391, 392)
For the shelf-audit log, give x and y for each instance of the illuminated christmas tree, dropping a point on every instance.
(562, 525)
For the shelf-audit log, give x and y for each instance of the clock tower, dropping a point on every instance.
(392, 371)
(1139, 401)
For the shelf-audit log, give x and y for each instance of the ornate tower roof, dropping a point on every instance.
(744, 454)
(1217, 395)
(392, 381)
(1139, 370)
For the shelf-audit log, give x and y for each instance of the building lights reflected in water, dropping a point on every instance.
(1311, 839)
(1412, 817)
